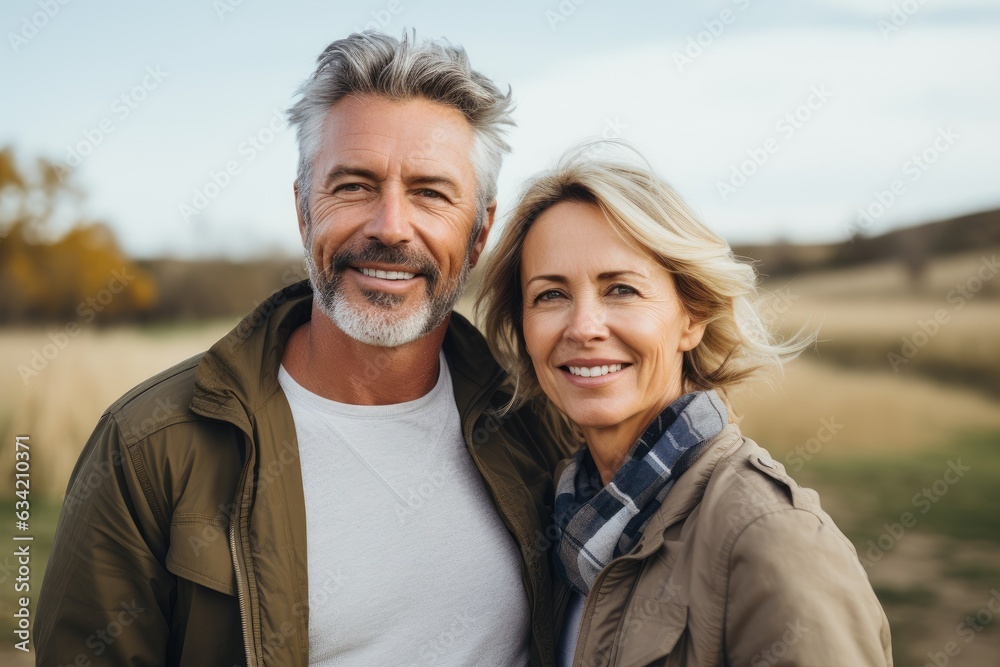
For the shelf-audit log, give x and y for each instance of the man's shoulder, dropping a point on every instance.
(158, 402)
(467, 351)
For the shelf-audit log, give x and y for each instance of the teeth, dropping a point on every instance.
(387, 275)
(594, 371)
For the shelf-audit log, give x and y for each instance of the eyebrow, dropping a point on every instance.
(603, 277)
(436, 180)
(344, 170)
(341, 171)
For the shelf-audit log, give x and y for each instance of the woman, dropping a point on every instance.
(681, 542)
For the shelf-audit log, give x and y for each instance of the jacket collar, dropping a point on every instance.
(240, 372)
(687, 491)
(474, 371)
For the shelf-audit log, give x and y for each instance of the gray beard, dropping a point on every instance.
(377, 322)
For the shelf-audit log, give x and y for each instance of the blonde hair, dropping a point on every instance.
(712, 284)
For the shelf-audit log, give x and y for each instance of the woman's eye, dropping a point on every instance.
(548, 295)
(623, 290)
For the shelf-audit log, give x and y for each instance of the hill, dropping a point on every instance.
(915, 246)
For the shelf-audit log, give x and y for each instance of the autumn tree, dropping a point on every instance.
(81, 274)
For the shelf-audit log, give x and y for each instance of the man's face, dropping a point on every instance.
(390, 236)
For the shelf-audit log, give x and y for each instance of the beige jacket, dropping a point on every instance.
(740, 566)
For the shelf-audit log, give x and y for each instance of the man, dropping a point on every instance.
(327, 485)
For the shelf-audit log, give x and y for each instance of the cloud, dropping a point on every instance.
(886, 103)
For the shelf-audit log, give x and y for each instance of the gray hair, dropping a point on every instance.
(372, 63)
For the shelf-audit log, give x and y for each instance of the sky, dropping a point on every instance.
(799, 120)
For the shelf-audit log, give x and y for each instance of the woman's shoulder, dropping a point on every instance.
(747, 484)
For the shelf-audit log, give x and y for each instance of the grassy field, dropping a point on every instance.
(929, 539)
(869, 438)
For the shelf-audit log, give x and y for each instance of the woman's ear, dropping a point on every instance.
(692, 334)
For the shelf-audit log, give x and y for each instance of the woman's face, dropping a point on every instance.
(603, 324)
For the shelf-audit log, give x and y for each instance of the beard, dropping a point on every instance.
(380, 318)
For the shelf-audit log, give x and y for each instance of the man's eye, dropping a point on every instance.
(349, 188)
(431, 194)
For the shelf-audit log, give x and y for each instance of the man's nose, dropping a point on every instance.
(390, 223)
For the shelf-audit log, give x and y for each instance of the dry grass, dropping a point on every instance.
(60, 406)
(889, 279)
(877, 411)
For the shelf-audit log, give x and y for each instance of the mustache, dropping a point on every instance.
(377, 252)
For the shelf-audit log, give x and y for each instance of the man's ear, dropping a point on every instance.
(484, 233)
(303, 232)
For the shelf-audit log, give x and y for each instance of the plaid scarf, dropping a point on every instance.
(601, 522)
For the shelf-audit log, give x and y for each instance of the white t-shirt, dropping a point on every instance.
(409, 562)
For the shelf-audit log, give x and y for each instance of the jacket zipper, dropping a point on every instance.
(249, 647)
(591, 602)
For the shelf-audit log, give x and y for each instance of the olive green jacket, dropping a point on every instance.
(182, 539)
(739, 566)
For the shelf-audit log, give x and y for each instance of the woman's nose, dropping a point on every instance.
(587, 322)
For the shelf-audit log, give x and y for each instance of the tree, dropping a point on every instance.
(83, 274)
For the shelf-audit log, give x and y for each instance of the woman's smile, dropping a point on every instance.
(593, 372)
(603, 325)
